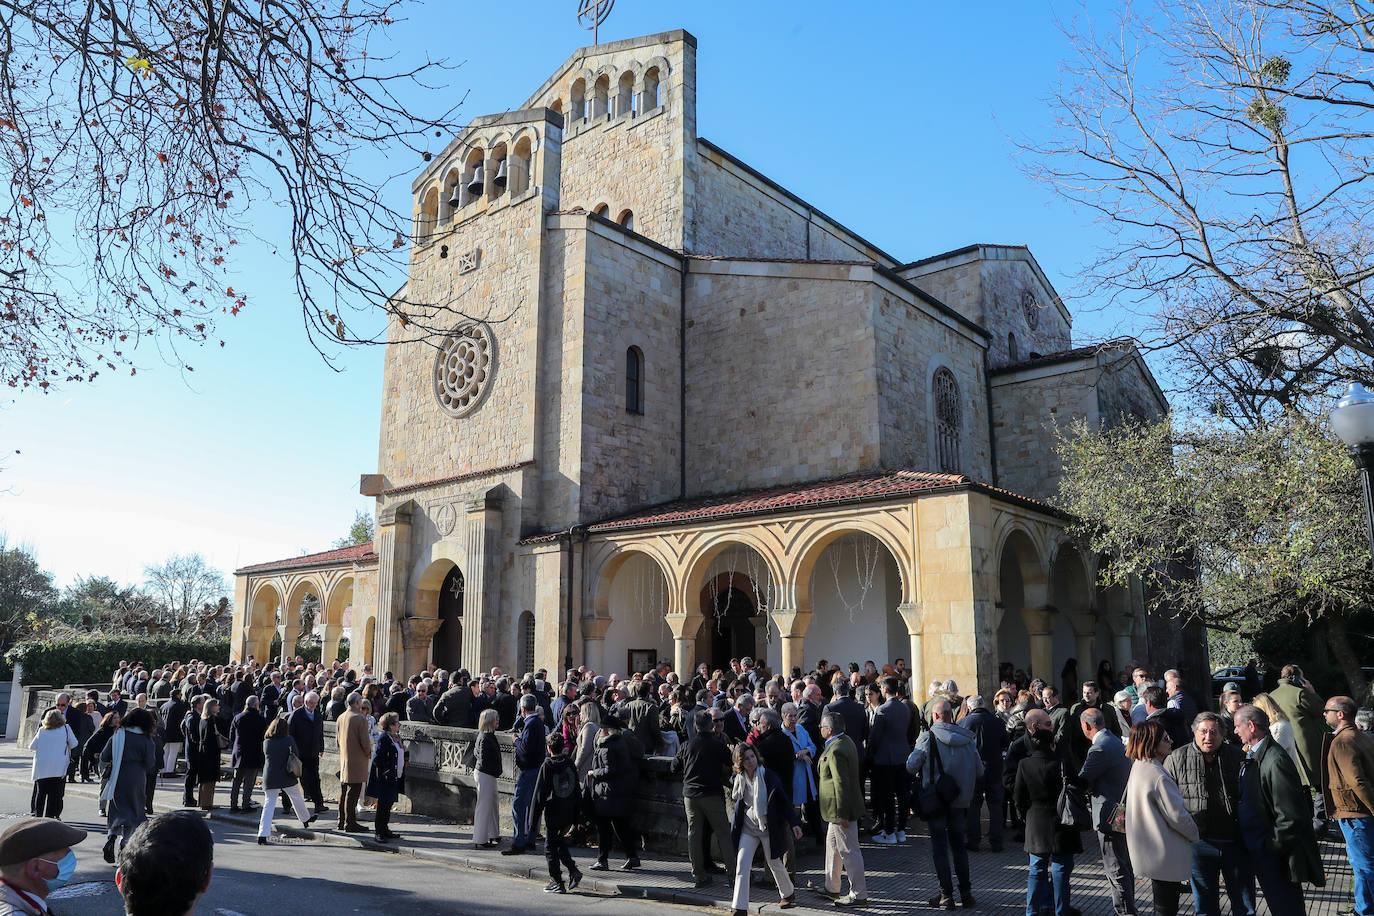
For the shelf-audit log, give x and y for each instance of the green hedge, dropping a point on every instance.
(92, 660)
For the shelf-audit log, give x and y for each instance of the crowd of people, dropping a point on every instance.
(1188, 798)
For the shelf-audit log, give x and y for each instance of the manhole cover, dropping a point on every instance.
(83, 889)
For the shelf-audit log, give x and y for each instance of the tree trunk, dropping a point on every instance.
(1339, 641)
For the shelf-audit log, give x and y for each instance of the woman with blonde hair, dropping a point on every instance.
(1159, 830)
(52, 751)
(1280, 729)
(486, 820)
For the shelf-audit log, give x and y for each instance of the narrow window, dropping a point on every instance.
(601, 97)
(577, 105)
(948, 420)
(625, 99)
(603, 210)
(1012, 353)
(650, 101)
(626, 219)
(634, 380)
(526, 642)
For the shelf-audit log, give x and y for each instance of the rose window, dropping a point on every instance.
(463, 370)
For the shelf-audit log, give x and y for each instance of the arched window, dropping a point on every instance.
(634, 380)
(499, 181)
(1012, 353)
(556, 105)
(519, 164)
(526, 643)
(601, 97)
(949, 419)
(602, 210)
(625, 99)
(650, 97)
(428, 217)
(476, 161)
(577, 105)
(626, 219)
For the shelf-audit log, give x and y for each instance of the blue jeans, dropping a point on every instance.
(1049, 884)
(992, 791)
(947, 832)
(520, 807)
(1359, 847)
(1216, 860)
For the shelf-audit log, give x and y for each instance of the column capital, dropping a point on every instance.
(416, 632)
(395, 515)
(490, 501)
(594, 627)
(684, 626)
(1039, 620)
(914, 616)
(790, 621)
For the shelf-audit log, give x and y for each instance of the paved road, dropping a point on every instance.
(296, 877)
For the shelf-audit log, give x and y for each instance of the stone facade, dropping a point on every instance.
(657, 407)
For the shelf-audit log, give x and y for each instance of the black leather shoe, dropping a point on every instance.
(262, 841)
(574, 878)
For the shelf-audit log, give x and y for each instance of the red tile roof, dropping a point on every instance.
(323, 558)
(836, 490)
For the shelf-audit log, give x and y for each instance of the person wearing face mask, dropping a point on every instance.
(36, 858)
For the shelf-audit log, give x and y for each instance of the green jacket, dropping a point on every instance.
(1272, 781)
(842, 797)
(1304, 711)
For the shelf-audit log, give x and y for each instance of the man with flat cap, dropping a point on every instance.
(36, 858)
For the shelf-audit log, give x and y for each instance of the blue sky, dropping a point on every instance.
(896, 119)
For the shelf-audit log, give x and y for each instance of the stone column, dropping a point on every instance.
(910, 612)
(1040, 627)
(481, 584)
(393, 562)
(594, 642)
(1123, 648)
(1085, 640)
(417, 636)
(329, 641)
(792, 625)
(684, 627)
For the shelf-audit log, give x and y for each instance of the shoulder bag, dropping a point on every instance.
(1073, 809)
(293, 761)
(935, 798)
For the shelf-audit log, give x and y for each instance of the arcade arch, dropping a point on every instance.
(439, 595)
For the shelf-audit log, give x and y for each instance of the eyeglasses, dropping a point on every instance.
(1333, 710)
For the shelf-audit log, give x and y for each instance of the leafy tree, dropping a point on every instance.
(1242, 529)
(100, 604)
(192, 596)
(1226, 149)
(138, 137)
(360, 532)
(27, 593)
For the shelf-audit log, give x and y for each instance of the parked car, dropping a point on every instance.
(1223, 676)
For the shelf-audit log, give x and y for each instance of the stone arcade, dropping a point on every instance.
(685, 416)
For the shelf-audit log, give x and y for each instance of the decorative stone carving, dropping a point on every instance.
(464, 368)
(445, 519)
(1030, 309)
(469, 261)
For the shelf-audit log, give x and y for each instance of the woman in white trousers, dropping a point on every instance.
(276, 778)
(486, 820)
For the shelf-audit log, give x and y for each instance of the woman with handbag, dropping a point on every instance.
(384, 776)
(281, 774)
(486, 819)
(763, 815)
(1159, 830)
(1051, 845)
(52, 748)
(125, 763)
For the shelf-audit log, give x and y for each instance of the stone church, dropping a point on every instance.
(679, 414)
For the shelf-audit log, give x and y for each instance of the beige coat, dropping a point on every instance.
(1160, 832)
(355, 747)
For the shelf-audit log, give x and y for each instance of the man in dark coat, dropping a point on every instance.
(272, 696)
(855, 719)
(504, 702)
(530, 751)
(988, 736)
(173, 712)
(703, 763)
(190, 730)
(774, 747)
(246, 754)
(887, 753)
(306, 727)
(1106, 769)
(1158, 709)
(1275, 817)
(454, 706)
(418, 709)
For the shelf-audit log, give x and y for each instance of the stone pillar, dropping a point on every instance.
(1123, 649)
(911, 615)
(329, 641)
(1085, 640)
(242, 621)
(481, 583)
(1040, 627)
(417, 635)
(792, 625)
(290, 632)
(392, 546)
(684, 627)
(594, 642)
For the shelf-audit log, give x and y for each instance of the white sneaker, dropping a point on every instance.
(901, 836)
(886, 839)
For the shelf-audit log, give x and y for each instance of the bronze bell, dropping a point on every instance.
(499, 179)
(456, 200)
(477, 180)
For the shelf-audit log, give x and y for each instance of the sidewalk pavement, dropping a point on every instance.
(900, 878)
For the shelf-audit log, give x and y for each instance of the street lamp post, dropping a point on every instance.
(1352, 420)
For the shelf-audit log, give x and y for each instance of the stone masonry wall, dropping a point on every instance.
(1025, 407)
(780, 381)
(632, 297)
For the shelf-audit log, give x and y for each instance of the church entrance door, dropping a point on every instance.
(732, 628)
(448, 639)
